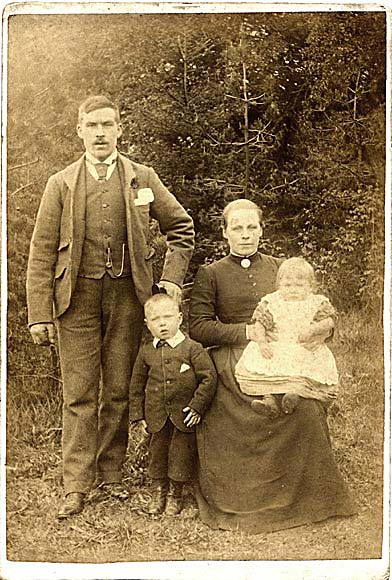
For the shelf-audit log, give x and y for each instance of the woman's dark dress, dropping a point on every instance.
(255, 474)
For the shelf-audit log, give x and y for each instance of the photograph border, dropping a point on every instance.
(326, 569)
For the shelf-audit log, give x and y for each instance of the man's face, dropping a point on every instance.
(163, 319)
(243, 231)
(99, 132)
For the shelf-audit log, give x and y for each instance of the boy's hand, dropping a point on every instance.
(142, 426)
(265, 350)
(192, 418)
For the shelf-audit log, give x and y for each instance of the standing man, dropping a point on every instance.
(90, 270)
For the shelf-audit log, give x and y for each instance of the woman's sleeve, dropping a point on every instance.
(204, 325)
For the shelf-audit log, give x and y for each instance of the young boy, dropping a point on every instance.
(173, 383)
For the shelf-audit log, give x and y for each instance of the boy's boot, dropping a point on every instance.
(266, 406)
(157, 502)
(289, 403)
(174, 498)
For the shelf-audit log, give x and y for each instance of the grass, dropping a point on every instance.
(109, 531)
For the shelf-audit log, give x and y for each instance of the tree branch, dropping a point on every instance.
(21, 188)
(23, 164)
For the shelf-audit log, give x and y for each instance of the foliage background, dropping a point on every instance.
(312, 84)
(287, 109)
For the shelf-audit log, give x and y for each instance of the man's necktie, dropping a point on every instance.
(161, 343)
(102, 169)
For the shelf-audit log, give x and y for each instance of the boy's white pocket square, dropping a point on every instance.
(144, 196)
(184, 367)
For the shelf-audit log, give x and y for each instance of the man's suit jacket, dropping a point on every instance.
(57, 242)
(165, 380)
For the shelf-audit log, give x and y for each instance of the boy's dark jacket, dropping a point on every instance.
(159, 390)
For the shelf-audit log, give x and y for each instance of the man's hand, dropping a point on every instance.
(192, 418)
(172, 289)
(43, 333)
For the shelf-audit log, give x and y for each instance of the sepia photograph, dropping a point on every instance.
(195, 291)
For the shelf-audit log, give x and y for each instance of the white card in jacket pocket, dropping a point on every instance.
(144, 196)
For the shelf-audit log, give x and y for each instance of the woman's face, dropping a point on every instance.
(243, 231)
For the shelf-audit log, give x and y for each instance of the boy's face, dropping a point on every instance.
(163, 319)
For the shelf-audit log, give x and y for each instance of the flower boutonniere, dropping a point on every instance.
(134, 183)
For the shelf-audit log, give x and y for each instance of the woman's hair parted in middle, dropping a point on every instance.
(241, 203)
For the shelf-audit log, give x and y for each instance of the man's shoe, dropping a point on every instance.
(174, 498)
(157, 502)
(73, 504)
(115, 490)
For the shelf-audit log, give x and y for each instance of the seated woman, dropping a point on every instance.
(256, 474)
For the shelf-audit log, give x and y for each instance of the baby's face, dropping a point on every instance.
(163, 320)
(295, 286)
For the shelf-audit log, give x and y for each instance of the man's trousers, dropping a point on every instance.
(99, 337)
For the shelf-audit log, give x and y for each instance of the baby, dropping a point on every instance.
(297, 363)
(173, 383)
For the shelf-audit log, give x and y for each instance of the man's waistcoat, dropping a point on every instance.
(105, 246)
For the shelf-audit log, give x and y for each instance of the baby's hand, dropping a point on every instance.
(192, 418)
(265, 350)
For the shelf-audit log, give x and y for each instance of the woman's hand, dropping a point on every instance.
(316, 334)
(192, 418)
(252, 334)
(265, 350)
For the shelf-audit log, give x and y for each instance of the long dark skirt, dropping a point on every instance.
(260, 475)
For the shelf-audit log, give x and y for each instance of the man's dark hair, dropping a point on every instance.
(97, 102)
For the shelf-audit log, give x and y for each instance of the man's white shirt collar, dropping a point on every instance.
(173, 341)
(110, 161)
